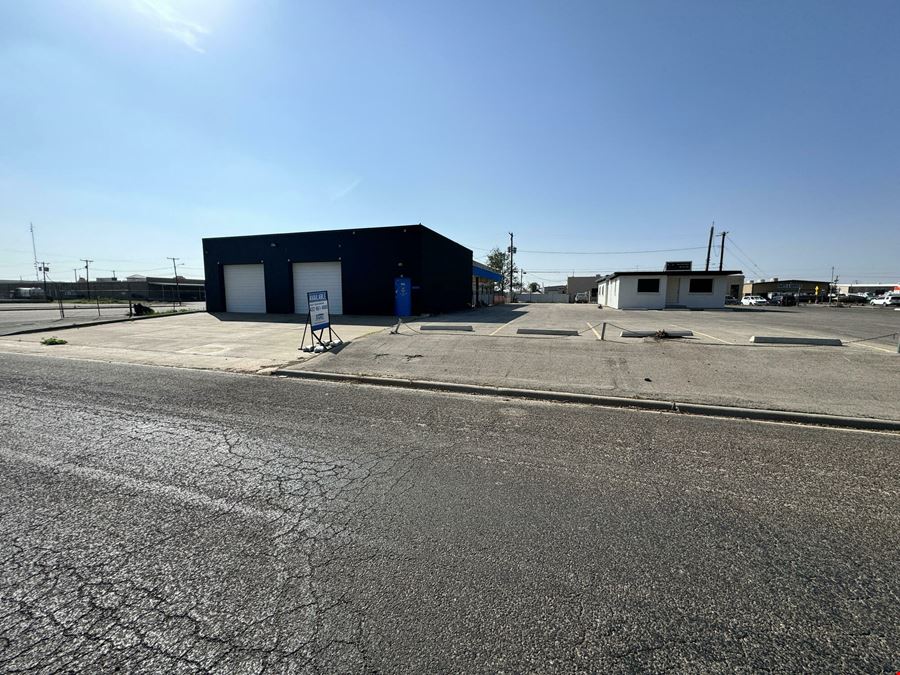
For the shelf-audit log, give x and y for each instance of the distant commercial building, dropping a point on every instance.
(403, 270)
(561, 288)
(877, 289)
(484, 283)
(800, 288)
(576, 285)
(667, 289)
(136, 287)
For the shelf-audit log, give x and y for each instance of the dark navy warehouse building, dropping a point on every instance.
(365, 271)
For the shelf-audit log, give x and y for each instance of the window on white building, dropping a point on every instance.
(648, 286)
(701, 286)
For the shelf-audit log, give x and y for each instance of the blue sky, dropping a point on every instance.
(132, 128)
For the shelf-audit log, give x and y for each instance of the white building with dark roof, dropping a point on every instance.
(668, 289)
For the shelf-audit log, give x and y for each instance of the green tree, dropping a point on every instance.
(534, 287)
(498, 260)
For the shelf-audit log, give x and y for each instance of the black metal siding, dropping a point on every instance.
(370, 258)
(446, 275)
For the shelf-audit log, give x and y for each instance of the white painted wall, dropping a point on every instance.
(608, 293)
(705, 300)
(621, 293)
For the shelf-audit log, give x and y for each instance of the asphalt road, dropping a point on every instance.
(165, 520)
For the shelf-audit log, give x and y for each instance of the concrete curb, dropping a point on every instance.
(760, 414)
(99, 323)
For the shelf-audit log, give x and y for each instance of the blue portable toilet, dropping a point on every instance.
(403, 296)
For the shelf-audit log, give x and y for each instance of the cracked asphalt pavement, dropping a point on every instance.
(166, 520)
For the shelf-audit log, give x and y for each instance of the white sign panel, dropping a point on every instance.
(318, 309)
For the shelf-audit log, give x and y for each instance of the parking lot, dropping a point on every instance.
(717, 365)
(866, 327)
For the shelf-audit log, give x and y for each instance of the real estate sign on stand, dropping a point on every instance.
(318, 309)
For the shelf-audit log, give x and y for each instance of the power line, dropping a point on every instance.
(752, 264)
(658, 250)
(755, 271)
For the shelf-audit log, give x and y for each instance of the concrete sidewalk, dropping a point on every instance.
(835, 381)
(246, 343)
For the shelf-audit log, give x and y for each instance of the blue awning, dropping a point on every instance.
(486, 273)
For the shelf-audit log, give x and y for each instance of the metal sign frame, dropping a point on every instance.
(318, 319)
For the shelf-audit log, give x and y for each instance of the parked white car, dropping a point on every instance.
(888, 299)
(753, 300)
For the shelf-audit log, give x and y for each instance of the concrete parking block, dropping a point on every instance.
(779, 340)
(546, 331)
(464, 328)
(653, 333)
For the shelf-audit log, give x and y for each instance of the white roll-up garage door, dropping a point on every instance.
(245, 289)
(318, 276)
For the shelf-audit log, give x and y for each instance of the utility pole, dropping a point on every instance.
(87, 276)
(512, 250)
(44, 269)
(722, 251)
(177, 287)
(832, 287)
(709, 245)
(34, 251)
(76, 274)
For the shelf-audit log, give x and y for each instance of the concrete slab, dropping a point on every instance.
(233, 342)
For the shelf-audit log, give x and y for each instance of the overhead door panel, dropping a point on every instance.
(245, 289)
(318, 276)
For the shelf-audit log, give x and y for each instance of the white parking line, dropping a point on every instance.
(505, 325)
(881, 349)
(711, 337)
(592, 328)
